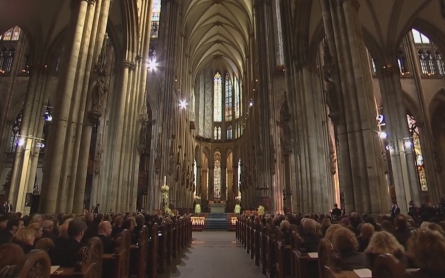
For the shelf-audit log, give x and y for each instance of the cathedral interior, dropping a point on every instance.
(290, 104)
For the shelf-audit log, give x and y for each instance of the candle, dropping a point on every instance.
(165, 180)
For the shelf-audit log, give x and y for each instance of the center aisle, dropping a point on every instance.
(213, 254)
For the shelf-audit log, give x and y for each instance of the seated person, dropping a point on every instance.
(38, 230)
(311, 235)
(331, 230)
(65, 252)
(427, 249)
(130, 224)
(383, 243)
(25, 239)
(12, 227)
(346, 244)
(366, 232)
(402, 232)
(105, 235)
(48, 230)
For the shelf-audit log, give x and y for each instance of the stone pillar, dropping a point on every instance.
(54, 186)
(402, 157)
(362, 173)
(211, 183)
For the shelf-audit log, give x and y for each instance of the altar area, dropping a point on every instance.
(217, 208)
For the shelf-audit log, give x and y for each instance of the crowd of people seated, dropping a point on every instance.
(416, 242)
(62, 236)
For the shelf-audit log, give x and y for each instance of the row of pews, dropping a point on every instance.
(266, 246)
(156, 248)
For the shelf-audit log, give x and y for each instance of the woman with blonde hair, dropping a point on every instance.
(427, 249)
(332, 228)
(25, 239)
(38, 230)
(383, 243)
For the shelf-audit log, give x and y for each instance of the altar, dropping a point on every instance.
(217, 208)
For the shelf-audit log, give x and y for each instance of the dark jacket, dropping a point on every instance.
(5, 237)
(310, 243)
(48, 234)
(354, 260)
(108, 244)
(65, 252)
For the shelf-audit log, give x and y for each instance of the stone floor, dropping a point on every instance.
(213, 254)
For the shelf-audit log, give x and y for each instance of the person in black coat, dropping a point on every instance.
(395, 210)
(12, 227)
(105, 236)
(65, 252)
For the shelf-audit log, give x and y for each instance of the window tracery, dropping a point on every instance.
(156, 14)
(217, 98)
(417, 150)
(217, 176)
(228, 97)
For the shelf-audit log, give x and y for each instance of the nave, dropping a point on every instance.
(213, 254)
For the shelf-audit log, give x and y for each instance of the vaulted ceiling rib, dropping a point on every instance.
(217, 34)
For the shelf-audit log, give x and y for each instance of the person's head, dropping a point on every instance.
(129, 224)
(384, 242)
(14, 225)
(11, 254)
(140, 220)
(37, 218)
(331, 230)
(118, 221)
(89, 217)
(326, 222)
(335, 205)
(37, 228)
(24, 236)
(344, 241)
(98, 205)
(435, 227)
(76, 229)
(44, 244)
(387, 226)
(345, 221)
(308, 225)
(48, 225)
(104, 228)
(427, 249)
(366, 231)
(284, 225)
(3, 222)
(400, 222)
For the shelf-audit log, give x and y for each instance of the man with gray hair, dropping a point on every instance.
(48, 230)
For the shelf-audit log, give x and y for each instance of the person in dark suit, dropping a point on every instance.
(65, 252)
(96, 209)
(336, 212)
(7, 208)
(395, 210)
(12, 227)
(105, 236)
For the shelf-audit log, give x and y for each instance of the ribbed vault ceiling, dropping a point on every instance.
(217, 33)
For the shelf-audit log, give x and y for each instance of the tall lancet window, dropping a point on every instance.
(417, 150)
(237, 98)
(240, 98)
(217, 176)
(217, 98)
(156, 13)
(228, 96)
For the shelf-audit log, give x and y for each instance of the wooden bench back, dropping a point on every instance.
(122, 254)
(142, 252)
(153, 251)
(92, 260)
(326, 258)
(388, 266)
(36, 264)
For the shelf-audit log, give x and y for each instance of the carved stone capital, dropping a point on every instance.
(129, 65)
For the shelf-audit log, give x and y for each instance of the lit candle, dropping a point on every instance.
(165, 180)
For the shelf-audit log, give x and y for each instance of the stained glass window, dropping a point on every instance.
(217, 98)
(440, 64)
(217, 176)
(240, 99)
(228, 96)
(237, 99)
(417, 149)
(229, 133)
(156, 12)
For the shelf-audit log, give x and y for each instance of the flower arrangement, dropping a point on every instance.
(164, 188)
(237, 209)
(260, 210)
(197, 209)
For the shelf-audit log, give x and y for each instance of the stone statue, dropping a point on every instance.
(99, 93)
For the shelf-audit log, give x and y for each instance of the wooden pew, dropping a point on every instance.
(258, 244)
(162, 246)
(263, 249)
(326, 257)
(90, 264)
(153, 252)
(387, 266)
(252, 238)
(270, 251)
(37, 264)
(169, 227)
(120, 260)
(302, 264)
(139, 255)
(175, 239)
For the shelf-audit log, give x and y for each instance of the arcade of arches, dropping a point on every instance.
(294, 105)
